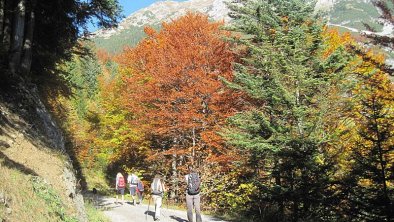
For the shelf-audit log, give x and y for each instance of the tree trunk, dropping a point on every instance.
(194, 144)
(28, 44)
(17, 37)
(174, 176)
(295, 200)
(6, 29)
(276, 175)
(382, 162)
(2, 17)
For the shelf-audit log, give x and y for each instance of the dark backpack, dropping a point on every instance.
(121, 183)
(193, 184)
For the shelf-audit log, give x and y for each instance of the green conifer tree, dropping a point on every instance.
(287, 82)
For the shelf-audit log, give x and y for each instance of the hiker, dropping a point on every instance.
(140, 190)
(193, 182)
(119, 186)
(158, 190)
(132, 181)
(94, 191)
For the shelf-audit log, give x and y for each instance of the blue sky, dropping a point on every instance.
(130, 6)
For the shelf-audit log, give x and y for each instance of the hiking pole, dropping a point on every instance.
(162, 205)
(146, 214)
(168, 198)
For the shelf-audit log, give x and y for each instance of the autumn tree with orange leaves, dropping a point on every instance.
(173, 85)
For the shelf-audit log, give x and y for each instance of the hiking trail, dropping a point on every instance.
(127, 212)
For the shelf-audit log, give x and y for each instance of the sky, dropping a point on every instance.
(130, 6)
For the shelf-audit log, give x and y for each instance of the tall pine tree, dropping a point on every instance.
(289, 82)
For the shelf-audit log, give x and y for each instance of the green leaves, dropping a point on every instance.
(284, 79)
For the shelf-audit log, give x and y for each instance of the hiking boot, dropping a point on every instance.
(157, 219)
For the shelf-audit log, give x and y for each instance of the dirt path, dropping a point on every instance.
(126, 212)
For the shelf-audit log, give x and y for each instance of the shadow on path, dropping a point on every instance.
(178, 219)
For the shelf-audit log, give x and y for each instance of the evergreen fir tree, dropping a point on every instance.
(288, 83)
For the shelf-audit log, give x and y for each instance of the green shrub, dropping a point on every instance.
(53, 201)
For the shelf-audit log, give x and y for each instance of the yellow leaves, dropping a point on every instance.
(272, 31)
(334, 40)
(241, 195)
(365, 182)
(285, 19)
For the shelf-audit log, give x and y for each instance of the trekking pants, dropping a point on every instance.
(193, 200)
(157, 200)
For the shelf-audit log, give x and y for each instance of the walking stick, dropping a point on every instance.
(168, 198)
(146, 214)
(164, 215)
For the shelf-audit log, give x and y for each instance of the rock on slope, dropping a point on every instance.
(37, 180)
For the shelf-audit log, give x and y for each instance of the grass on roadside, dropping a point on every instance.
(28, 198)
(95, 215)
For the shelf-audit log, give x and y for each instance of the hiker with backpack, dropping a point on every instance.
(193, 182)
(140, 190)
(120, 185)
(132, 181)
(158, 190)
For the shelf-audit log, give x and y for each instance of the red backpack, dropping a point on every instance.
(121, 182)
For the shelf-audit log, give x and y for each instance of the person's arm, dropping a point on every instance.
(116, 183)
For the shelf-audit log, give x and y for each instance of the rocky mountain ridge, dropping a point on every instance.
(346, 15)
(165, 11)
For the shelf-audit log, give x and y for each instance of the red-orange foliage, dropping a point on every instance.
(173, 82)
(103, 56)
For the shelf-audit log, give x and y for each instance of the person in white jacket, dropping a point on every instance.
(158, 190)
(132, 180)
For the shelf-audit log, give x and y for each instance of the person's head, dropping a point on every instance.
(119, 175)
(159, 175)
(192, 169)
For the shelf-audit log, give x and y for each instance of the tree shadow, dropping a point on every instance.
(4, 144)
(20, 111)
(14, 165)
(178, 219)
(99, 201)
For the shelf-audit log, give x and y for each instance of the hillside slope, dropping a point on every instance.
(37, 180)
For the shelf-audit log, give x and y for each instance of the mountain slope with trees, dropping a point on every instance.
(284, 117)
